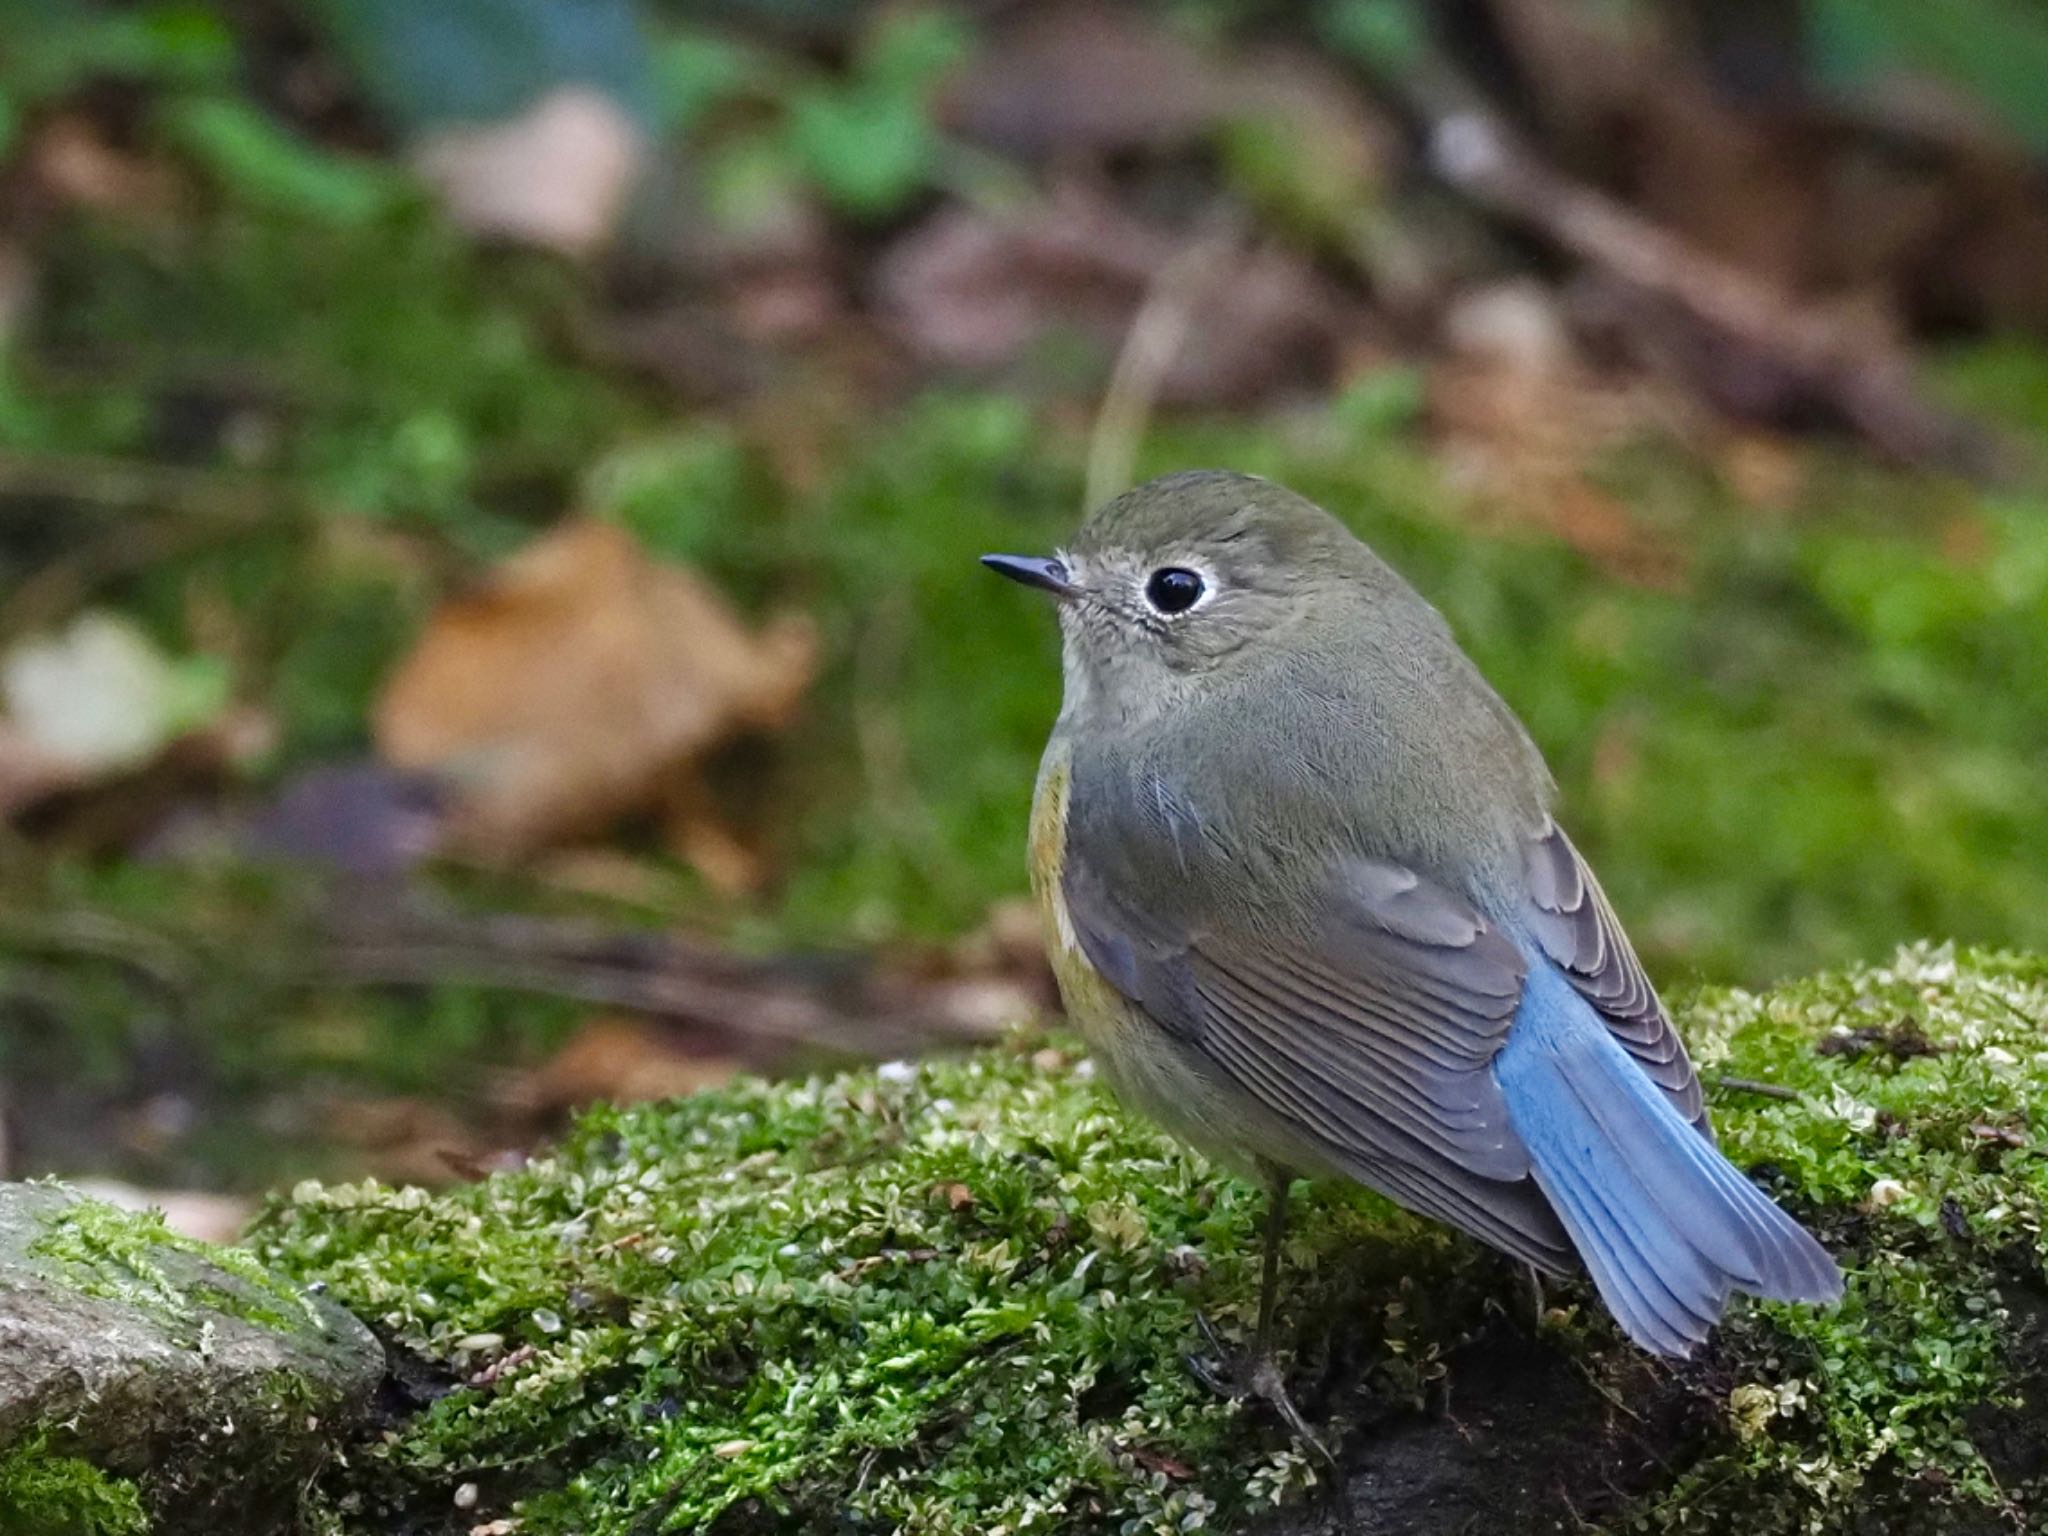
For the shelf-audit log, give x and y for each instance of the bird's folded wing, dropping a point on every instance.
(1369, 1034)
(1569, 916)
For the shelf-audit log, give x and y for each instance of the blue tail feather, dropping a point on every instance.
(1668, 1227)
(1631, 1283)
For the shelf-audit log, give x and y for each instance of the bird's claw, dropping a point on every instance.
(1216, 1370)
(1238, 1373)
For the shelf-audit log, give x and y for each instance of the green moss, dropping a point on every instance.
(899, 1282)
(45, 1494)
(958, 1297)
(1920, 1086)
(135, 1258)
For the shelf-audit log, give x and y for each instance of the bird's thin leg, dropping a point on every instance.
(1531, 1288)
(1238, 1373)
(1277, 1189)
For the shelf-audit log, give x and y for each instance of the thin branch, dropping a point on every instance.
(344, 939)
(1869, 386)
(1150, 346)
(137, 485)
(1760, 1089)
(167, 511)
(778, 998)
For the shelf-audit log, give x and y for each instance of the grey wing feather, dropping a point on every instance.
(1570, 918)
(1372, 1039)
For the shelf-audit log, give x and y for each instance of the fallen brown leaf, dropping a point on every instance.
(405, 1140)
(71, 160)
(1070, 78)
(977, 290)
(1156, 1461)
(582, 682)
(625, 1061)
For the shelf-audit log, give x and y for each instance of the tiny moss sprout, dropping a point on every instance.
(129, 1256)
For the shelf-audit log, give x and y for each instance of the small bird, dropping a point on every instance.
(1307, 902)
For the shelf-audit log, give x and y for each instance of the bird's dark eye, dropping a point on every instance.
(1173, 590)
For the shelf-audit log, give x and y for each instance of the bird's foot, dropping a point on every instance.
(1239, 1373)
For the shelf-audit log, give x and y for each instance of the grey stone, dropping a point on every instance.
(217, 1387)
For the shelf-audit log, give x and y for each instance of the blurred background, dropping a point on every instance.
(489, 494)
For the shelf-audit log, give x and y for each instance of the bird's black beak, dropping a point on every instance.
(1033, 571)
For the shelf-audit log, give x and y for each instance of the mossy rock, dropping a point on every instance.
(127, 1352)
(957, 1297)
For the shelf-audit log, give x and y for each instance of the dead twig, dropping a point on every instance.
(1151, 344)
(142, 952)
(780, 999)
(128, 485)
(821, 1003)
(165, 511)
(1799, 356)
(1761, 1090)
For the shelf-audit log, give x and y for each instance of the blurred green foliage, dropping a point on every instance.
(1824, 742)
(1991, 53)
(188, 55)
(1825, 738)
(768, 126)
(459, 61)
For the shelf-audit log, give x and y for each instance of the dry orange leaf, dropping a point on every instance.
(581, 682)
(624, 1061)
(404, 1140)
(1522, 432)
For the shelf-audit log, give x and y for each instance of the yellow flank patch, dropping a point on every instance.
(1048, 836)
(1133, 1053)
(1091, 1002)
